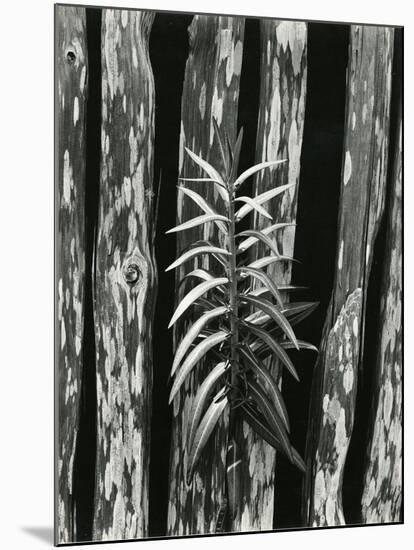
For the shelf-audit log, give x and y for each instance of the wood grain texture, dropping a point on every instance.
(71, 71)
(211, 89)
(381, 500)
(279, 136)
(360, 210)
(125, 288)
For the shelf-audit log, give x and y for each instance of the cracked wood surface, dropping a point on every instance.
(360, 210)
(125, 278)
(279, 136)
(71, 73)
(211, 89)
(381, 500)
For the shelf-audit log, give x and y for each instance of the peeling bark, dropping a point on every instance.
(211, 89)
(279, 136)
(381, 500)
(360, 210)
(71, 71)
(125, 278)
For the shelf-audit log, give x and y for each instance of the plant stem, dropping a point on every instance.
(234, 301)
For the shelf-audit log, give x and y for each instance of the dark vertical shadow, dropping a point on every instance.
(316, 233)
(85, 456)
(168, 53)
(367, 397)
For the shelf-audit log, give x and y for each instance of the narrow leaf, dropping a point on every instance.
(255, 206)
(267, 260)
(275, 347)
(247, 243)
(203, 204)
(193, 332)
(271, 310)
(233, 467)
(199, 220)
(266, 280)
(203, 433)
(224, 156)
(261, 237)
(263, 197)
(196, 252)
(210, 170)
(268, 382)
(263, 404)
(302, 345)
(200, 400)
(195, 293)
(282, 288)
(255, 169)
(236, 155)
(194, 357)
(261, 427)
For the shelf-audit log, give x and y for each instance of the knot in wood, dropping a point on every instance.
(132, 273)
(70, 56)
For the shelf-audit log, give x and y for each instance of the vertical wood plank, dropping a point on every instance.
(125, 288)
(71, 70)
(211, 89)
(360, 211)
(279, 136)
(381, 499)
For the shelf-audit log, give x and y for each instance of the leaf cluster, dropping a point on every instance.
(239, 316)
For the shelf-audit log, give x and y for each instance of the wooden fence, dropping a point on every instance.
(124, 275)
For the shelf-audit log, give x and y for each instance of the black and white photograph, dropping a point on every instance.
(228, 273)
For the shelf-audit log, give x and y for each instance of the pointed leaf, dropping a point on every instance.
(267, 260)
(266, 280)
(233, 467)
(261, 427)
(271, 310)
(302, 345)
(256, 168)
(194, 357)
(223, 191)
(282, 288)
(224, 156)
(247, 243)
(212, 172)
(203, 204)
(263, 197)
(195, 293)
(236, 155)
(196, 252)
(263, 238)
(263, 404)
(268, 382)
(275, 347)
(255, 206)
(200, 399)
(193, 332)
(199, 220)
(203, 433)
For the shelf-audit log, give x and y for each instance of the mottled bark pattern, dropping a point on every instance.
(125, 278)
(211, 89)
(381, 500)
(360, 211)
(71, 72)
(279, 136)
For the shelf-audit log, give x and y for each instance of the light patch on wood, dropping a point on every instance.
(75, 110)
(347, 168)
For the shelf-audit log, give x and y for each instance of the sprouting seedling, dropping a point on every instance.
(240, 325)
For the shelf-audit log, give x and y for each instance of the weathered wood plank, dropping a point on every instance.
(381, 500)
(125, 278)
(71, 70)
(360, 210)
(279, 136)
(211, 89)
